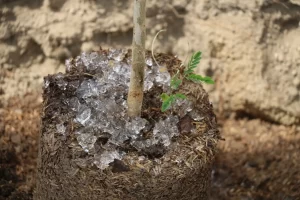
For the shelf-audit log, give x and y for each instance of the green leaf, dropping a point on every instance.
(169, 100)
(175, 83)
(194, 61)
(188, 71)
(167, 103)
(195, 78)
(198, 79)
(180, 96)
(208, 80)
(164, 96)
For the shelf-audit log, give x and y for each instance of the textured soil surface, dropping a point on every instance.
(98, 140)
(251, 49)
(258, 160)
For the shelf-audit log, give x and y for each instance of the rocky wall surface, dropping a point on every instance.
(251, 48)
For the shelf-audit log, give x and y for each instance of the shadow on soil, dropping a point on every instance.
(258, 161)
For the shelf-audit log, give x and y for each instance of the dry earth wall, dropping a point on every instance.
(250, 47)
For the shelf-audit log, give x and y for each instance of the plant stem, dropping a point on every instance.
(136, 86)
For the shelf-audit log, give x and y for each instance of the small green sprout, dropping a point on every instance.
(177, 79)
(168, 100)
(189, 71)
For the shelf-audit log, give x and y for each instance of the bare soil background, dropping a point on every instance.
(251, 48)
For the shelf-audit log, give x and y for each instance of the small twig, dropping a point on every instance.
(87, 74)
(276, 1)
(152, 47)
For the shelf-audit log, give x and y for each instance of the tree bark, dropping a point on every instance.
(135, 94)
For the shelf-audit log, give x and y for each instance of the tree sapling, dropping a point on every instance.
(136, 86)
(179, 77)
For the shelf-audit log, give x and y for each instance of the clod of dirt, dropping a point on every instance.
(85, 121)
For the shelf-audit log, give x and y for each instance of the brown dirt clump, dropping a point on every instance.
(181, 172)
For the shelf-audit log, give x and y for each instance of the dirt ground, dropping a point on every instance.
(251, 49)
(258, 160)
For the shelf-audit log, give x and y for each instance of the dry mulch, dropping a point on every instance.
(257, 161)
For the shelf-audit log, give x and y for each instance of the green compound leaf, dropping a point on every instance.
(175, 83)
(198, 79)
(167, 102)
(180, 96)
(188, 71)
(195, 60)
(164, 96)
(166, 105)
(208, 80)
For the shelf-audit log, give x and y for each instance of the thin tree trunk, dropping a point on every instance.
(135, 94)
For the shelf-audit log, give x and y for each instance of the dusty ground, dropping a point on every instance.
(257, 161)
